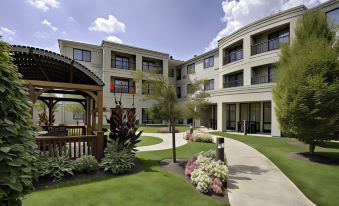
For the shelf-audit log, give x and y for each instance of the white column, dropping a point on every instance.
(221, 114)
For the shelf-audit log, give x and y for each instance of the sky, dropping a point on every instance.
(181, 28)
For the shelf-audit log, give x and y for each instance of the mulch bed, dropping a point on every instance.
(179, 168)
(45, 182)
(305, 156)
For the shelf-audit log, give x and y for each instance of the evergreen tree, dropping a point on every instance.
(307, 89)
(17, 144)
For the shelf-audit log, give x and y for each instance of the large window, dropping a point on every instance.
(146, 88)
(147, 65)
(251, 113)
(121, 62)
(277, 38)
(209, 62)
(191, 68)
(230, 122)
(81, 55)
(233, 80)
(333, 16)
(267, 117)
(209, 85)
(123, 85)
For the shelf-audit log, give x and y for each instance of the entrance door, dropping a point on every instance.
(254, 115)
(267, 117)
(230, 122)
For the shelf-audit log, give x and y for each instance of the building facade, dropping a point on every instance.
(240, 72)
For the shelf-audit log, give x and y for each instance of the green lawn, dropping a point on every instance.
(147, 140)
(154, 128)
(319, 182)
(153, 186)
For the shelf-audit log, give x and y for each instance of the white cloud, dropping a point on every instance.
(242, 12)
(49, 25)
(44, 5)
(114, 39)
(109, 26)
(71, 19)
(7, 33)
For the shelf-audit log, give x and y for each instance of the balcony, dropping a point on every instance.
(152, 68)
(264, 79)
(121, 64)
(234, 83)
(124, 89)
(270, 45)
(233, 56)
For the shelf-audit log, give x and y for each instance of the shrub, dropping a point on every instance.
(17, 145)
(166, 130)
(201, 137)
(217, 186)
(54, 167)
(117, 161)
(210, 154)
(201, 181)
(216, 169)
(86, 163)
(190, 166)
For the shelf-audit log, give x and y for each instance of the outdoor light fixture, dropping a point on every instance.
(220, 153)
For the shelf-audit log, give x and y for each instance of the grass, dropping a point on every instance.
(154, 128)
(153, 186)
(319, 182)
(147, 140)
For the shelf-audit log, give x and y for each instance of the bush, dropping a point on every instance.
(117, 161)
(17, 145)
(210, 154)
(86, 163)
(201, 181)
(191, 166)
(166, 130)
(188, 136)
(54, 167)
(201, 137)
(216, 169)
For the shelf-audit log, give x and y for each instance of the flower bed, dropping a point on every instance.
(206, 174)
(165, 130)
(198, 136)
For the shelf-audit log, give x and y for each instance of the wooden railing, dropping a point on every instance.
(73, 146)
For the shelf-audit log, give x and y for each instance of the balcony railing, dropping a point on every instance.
(233, 56)
(263, 79)
(156, 68)
(234, 83)
(119, 64)
(272, 44)
(124, 89)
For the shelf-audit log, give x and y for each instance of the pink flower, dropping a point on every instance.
(190, 166)
(217, 186)
(188, 136)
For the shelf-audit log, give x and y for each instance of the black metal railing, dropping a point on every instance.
(233, 56)
(156, 68)
(124, 89)
(234, 83)
(272, 44)
(119, 64)
(263, 79)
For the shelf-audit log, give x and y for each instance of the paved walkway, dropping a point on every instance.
(166, 143)
(255, 180)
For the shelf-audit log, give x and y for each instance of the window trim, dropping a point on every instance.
(82, 54)
(208, 66)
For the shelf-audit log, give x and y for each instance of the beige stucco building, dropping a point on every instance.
(241, 71)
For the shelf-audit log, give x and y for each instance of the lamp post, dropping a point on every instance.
(220, 153)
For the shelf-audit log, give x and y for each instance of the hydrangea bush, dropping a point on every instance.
(199, 136)
(207, 174)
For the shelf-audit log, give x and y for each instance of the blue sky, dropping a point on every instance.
(181, 28)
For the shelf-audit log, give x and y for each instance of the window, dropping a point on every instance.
(179, 92)
(121, 62)
(267, 113)
(191, 68)
(276, 38)
(178, 74)
(231, 116)
(189, 88)
(209, 85)
(235, 54)
(170, 72)
(209, 62)
(146, 88)
(147, 65)
(82, 55)
(124, 85)
(333, 16)
(78, 116)
(233, 80)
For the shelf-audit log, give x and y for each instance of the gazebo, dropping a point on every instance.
(48, 72)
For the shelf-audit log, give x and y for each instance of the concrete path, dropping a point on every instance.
(255, 180)
(166, 143)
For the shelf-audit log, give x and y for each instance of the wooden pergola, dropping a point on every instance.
(48, 72)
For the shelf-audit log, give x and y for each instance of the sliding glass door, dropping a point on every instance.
(267, 117)
(230, 122)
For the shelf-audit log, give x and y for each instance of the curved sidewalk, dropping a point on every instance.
(166, 141)
(255, 180)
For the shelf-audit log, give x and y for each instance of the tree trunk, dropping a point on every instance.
(173, 141)
(311, 148)
(169, 127)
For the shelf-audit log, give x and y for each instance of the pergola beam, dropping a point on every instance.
(62, 99)
(61, 85)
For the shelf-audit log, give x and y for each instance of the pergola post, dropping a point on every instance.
(100, 133)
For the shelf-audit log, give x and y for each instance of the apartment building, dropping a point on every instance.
(240, 72)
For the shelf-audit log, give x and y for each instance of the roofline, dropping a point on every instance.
(88, 72)
(208, 53)
(326, 3)
(132, 47)
(260, 21)
(94, 46)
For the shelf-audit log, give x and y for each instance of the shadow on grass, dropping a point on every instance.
(333, 145)
(329, 158)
